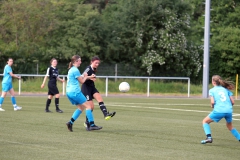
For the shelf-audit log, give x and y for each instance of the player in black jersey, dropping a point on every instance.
(52, 73)
(90, 91)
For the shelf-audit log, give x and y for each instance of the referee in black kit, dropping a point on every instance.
(52, 73)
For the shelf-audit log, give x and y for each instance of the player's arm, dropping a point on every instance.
(45, 78)
(62, 80)
(212, 102)
(232, 100)
(93, 77)
(88, 72)
(84, 77)
(15, 76)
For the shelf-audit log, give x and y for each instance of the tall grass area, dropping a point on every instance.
(137, 86)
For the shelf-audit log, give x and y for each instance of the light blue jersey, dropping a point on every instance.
(7, 78)
(73, 90)
(72, 82)
(222, 102)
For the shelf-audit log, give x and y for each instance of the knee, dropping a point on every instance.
(229, 126)
(204, 121)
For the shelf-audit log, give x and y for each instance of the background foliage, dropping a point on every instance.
(150, 37)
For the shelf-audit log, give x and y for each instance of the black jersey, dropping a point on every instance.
(89, 71)
(53, 74)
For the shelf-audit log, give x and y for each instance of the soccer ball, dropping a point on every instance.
(124, 87)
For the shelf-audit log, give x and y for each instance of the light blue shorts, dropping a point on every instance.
(6, 87)
(216, 117)
(76, 98)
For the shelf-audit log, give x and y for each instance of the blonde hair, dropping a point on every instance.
(225, 83)
(73, 59)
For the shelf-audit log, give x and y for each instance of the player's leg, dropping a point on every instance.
(102, 106)
(206, 127)
(5, 88)
(74, 117)
(80, 100)
(87, 92)
(73, 98)
(48, 102)
(90, 117)
(13, 99)
(4, 93)
(57, 96)
(229, 125)
(86, 123)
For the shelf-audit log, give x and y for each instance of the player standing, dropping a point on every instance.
(90, 91)
(75, 95)
(222, 103)
(52, 73)
(7, 85)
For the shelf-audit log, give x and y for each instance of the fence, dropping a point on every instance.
(107, 80)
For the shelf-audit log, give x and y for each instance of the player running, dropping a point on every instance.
(7, 85)
(222, 103)
(52, 73)
(90, 91)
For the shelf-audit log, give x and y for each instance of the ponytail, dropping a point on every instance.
(70, 65)
(73, 60)
(225, 83)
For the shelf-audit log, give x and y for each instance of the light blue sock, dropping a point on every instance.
(235, 134)
(1, 101)
(13, 101)
(89, 115)
(75, 115)
(206, 128)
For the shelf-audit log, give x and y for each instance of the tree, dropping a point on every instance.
(150, 32)
(78, 31)
(224, 51)
(23, 26)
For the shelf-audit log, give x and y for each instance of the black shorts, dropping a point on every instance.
(52, 89)
(88, 91)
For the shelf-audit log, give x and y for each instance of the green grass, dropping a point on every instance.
(143, 128)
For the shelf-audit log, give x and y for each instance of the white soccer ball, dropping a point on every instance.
(124, 87)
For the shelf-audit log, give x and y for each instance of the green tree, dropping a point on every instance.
(150, 32)
(224, 51)
(24, 24)
(78, 31)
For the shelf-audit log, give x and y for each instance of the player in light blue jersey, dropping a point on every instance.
(7, 85)
(75, 95)
(222, 103)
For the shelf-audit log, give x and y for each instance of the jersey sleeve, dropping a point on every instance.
(47, 74)
(77, 73)
(211, 92)
(229, 93)
(9, 69)
(87, 70)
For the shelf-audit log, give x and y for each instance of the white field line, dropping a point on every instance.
(171, 109)
(126, 105)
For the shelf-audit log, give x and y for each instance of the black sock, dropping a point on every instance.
(103, 108)
(72, 120)
(48, 103)
(209, 136)
(57, 103)
(91, 123)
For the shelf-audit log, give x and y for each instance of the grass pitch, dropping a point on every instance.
(143, 128)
